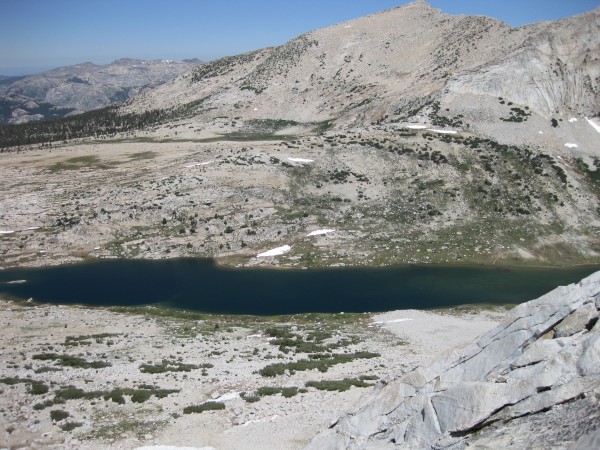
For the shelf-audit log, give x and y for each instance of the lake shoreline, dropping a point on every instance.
(203, 285)
(222, 263)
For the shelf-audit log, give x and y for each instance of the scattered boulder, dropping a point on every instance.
(577, 320)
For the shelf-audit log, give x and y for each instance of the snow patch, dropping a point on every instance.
(275, 252)
(266, 419)
(227, 397)
(7, 231)
(319, 232)
(442, 131)
(571, 145)
(301, 160)
(16, 282)
(416, 127)
(524, 253)
(541, 132)
(199, 164)
(392, 321)
(572, 120)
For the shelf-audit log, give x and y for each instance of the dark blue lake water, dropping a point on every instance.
(200, 285)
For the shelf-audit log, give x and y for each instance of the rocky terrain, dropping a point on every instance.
(531, 382)
(411, 135)
(90, 378)
(408, 136)
(74, 377)
(82, 87)
(408, 197)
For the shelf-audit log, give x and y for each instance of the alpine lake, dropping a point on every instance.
(201, 285)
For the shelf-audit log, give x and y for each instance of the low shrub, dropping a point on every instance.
(250, 398)
(38, 388)
(337, 385)
(320, 361)
(57, 415)
(43, 405)
(141, 396)
(69, 426)
(287, 392)
(172, 366)
(207, 406)
(71, 361)
(35, 387)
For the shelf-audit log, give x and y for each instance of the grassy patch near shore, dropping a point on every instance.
(80, 162)
(322, 320)
(228, 137)
(462, 310)
(250, 137)
(142, 155)
(311, 340)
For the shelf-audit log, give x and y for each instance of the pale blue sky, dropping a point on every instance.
(37, 35)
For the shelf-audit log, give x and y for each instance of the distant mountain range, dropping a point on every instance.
(82, 87)
(4, 78)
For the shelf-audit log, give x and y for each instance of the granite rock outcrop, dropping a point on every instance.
(542, 360)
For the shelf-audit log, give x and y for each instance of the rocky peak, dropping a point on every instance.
(389, 64)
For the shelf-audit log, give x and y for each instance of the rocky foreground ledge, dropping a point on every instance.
(531, 382)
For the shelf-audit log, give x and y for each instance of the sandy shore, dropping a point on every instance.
(223, 354)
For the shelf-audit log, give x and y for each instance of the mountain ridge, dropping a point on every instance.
(453, 55)
(82, 87)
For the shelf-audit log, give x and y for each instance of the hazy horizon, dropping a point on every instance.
(37, 36)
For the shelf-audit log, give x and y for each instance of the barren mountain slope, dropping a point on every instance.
(83, 87)
(400, 54)
(361, 71)
(556, 70)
